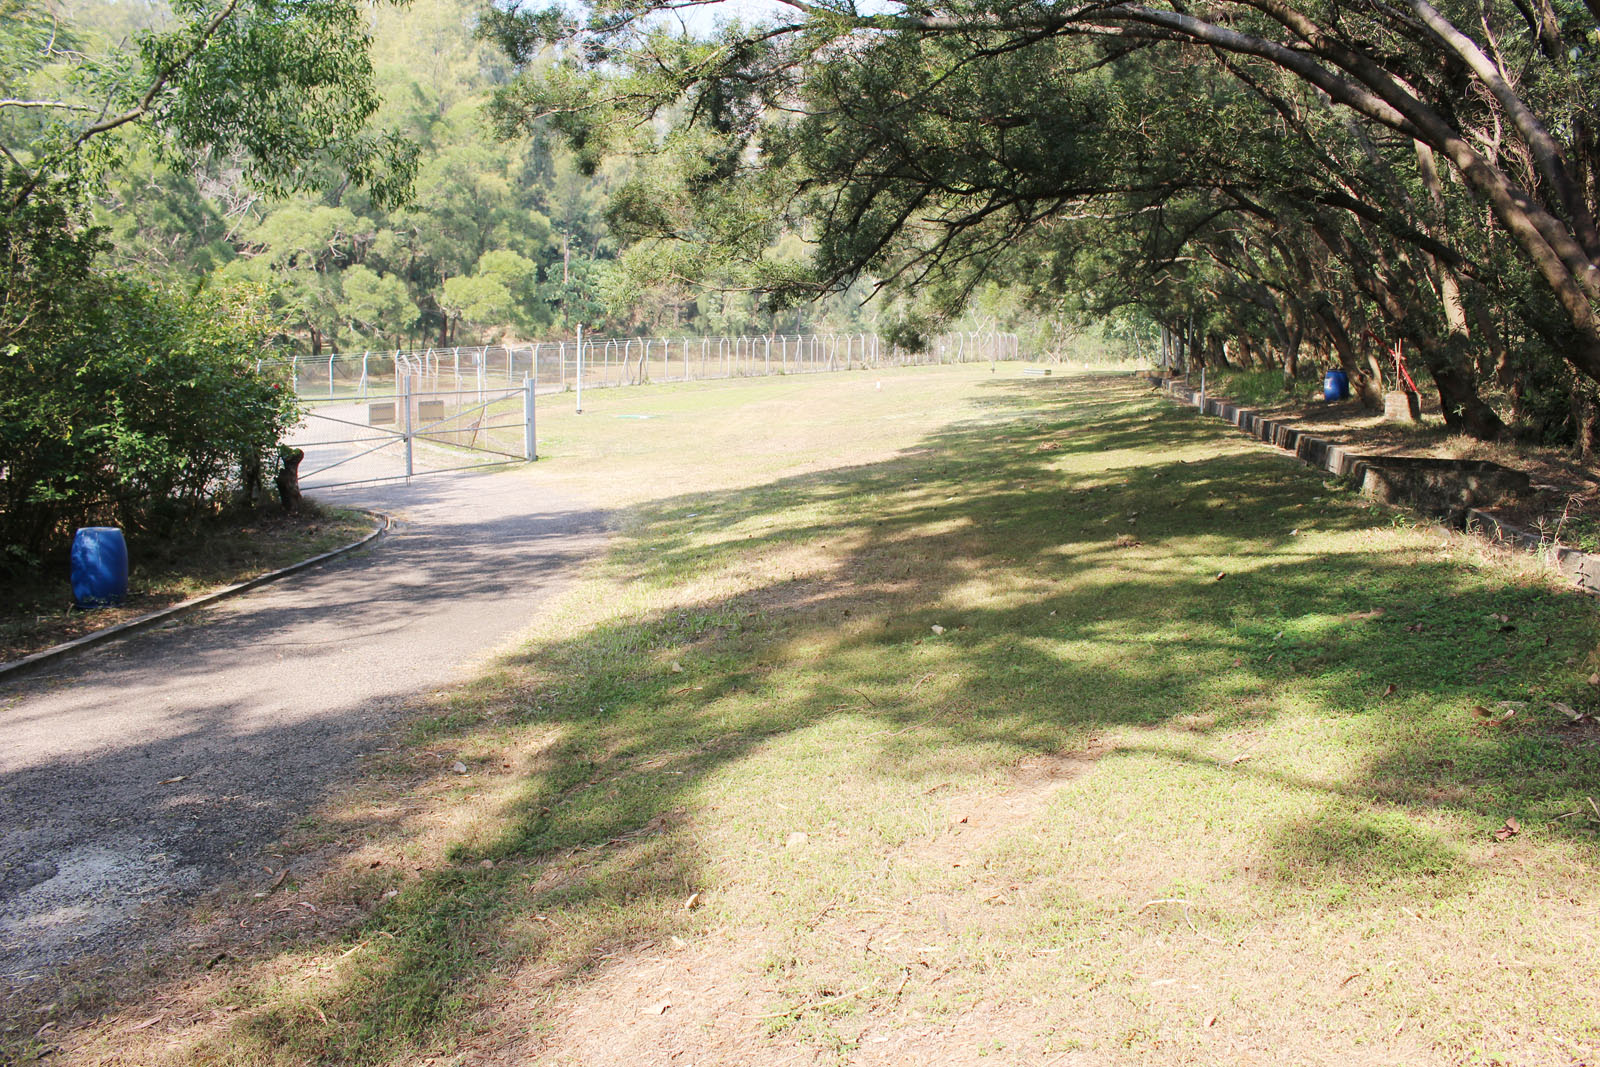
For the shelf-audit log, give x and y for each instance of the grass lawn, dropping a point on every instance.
(947, 717)
(1562, 504)
(37, 610)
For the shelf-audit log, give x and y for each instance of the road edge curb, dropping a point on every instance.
(44, 657)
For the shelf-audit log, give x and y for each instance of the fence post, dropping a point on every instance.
(579, 409)
(330, 373)
(405, 398)
(530, 443)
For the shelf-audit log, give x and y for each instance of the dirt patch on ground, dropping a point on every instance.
(721, 1001)
(54, 627)
(1586, 733)
(979, 817)
(38, 613)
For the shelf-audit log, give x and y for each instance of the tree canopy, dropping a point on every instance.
(282, 89)
(124, 397)
(498, 239)
(1267, 177)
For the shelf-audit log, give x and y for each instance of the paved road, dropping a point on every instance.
(260, 704)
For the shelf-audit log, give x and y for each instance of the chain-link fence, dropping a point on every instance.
(556, 366)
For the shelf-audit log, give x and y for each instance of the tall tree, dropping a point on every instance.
(284, 88)
(933, 137)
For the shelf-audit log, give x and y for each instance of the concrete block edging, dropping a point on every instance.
(1581, 568)
(49, 655)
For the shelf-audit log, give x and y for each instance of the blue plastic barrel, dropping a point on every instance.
(99, 566)
(1335, 386)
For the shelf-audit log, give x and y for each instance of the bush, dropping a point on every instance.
(1262, 388)
(121, 403)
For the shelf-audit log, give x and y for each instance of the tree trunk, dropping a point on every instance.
(1494, 345)
(1293, 333)
(288, 479)
(1464, 410)
(1585, 422)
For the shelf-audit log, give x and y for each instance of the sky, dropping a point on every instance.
(706, 17)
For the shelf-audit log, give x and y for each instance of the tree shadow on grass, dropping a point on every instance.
(1160, 590)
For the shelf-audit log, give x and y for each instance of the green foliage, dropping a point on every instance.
(1260, 387)
(283, 91)
(502, 240)
(377, 304)
(120, 402)
(132, 402)
(1298, 203)
(501, 290)
(46, 256)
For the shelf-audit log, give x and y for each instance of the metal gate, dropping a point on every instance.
(364, 437)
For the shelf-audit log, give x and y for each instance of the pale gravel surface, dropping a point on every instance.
(261, 704)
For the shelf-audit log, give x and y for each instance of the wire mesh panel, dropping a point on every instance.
(349, 441)
(464, 426)
(416, 429)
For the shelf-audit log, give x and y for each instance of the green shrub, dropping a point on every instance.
(121, 403)
(1260, 388)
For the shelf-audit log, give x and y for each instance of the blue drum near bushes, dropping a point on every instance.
(99, 566)
(1335, 386)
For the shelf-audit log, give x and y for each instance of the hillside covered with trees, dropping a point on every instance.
(500, 238)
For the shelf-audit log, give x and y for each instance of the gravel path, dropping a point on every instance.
(135, 775)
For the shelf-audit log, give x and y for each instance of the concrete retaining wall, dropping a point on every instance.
(1454, 490)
